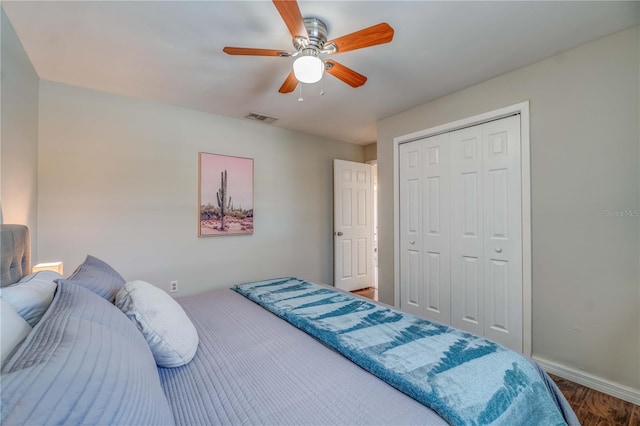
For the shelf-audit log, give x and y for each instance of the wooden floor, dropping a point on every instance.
(593, 408)
(370, 292)
(596, 408)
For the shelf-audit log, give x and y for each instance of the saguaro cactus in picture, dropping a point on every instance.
(219, 213)
(223, 204)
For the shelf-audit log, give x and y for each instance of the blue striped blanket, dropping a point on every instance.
(466, 379)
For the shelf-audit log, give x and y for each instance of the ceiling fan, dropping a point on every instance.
(310, 42)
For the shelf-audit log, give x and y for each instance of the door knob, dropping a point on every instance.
(338, 234)
(498, 250)
(412, 242)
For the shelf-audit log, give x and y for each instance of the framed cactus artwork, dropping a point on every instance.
(225, 195)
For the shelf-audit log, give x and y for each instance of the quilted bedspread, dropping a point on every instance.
(466, 379)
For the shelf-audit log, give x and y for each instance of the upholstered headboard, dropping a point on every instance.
(16, 253)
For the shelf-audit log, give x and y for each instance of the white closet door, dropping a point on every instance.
(435, 232)
(411, 288)
(467, 231)
(461, 230)
(503, 232)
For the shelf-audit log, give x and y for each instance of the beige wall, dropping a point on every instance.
(118, 179)
(584, 162)
(371, 152)
(19, 134)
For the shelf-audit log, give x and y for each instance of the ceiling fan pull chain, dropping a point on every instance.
(321, 88)
(300, 99)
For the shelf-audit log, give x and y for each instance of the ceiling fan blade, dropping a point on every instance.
(345, 74)
(291, 16)
(377, 34)
(254, 52)
(289, 84)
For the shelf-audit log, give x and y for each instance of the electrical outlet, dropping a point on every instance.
(173, 286)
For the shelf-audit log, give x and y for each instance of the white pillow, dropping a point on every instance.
(13, 330)
(32, 295)
(168, 330)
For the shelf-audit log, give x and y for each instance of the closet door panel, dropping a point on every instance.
(436, 235)
(411, 272)
(467, 261)
(503, 232)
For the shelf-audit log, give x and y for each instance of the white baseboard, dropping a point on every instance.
(594, 382)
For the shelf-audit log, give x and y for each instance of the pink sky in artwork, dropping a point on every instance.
(239, 179)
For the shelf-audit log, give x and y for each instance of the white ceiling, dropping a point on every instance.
(171, 52)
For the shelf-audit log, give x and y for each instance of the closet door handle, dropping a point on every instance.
(412, 242)
(498, 250)
(338, 234)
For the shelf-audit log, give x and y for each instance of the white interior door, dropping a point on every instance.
(353, 225)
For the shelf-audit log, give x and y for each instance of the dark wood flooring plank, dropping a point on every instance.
(573, 392)
(608, 407)
(587, 418)
(635, 416)
(595, 408)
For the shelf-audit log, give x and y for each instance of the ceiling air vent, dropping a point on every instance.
(260, 117)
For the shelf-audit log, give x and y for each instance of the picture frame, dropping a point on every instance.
(225, 195)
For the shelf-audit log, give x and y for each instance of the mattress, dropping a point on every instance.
(254, 368)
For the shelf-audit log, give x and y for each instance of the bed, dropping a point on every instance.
(257, 362)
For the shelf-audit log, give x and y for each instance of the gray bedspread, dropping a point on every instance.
(254, 368)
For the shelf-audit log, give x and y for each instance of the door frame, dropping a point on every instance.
(521, 108)
(374, 222)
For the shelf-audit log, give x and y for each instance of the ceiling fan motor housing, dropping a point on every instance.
(317, 35)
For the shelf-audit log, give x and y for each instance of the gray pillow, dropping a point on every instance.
(84, 363)
(97, 276)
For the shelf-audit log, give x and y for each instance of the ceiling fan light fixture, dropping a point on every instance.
(308, 68)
